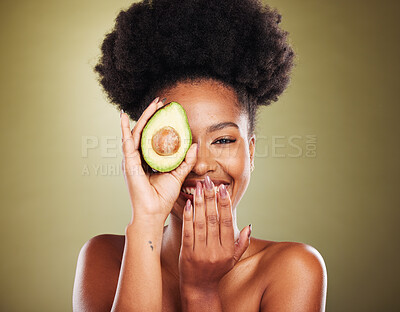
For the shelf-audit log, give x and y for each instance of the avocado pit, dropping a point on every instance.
(166, 138)
(166, 141)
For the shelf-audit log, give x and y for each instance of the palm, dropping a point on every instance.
(166, 187)
(151, 194)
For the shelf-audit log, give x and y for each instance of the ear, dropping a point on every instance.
(252, 149)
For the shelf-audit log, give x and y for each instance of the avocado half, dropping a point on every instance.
(166, 138)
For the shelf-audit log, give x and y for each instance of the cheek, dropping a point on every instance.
(236, 167)
(236, 162)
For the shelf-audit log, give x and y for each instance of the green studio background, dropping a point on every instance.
(342, 103)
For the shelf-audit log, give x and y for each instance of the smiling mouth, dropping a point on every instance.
(192, 190)
(189, 191)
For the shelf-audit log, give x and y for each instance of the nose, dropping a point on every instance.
(205, 161)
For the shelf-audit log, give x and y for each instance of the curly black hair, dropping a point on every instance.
(158, 43)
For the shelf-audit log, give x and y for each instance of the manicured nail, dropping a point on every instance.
(187, 206)
(156, 100)
(222, 191)
(250, 226)
(208, 183)
(198, 189)
(163, 100)
(120, 113)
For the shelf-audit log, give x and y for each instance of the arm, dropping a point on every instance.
(196, 300)
(103, 283)
(199, 294)
(135, 284)
(140, 281)
(93, 291)
(298, 283)
(140, 284)
(208, 250)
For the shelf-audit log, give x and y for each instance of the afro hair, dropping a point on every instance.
(156, 44)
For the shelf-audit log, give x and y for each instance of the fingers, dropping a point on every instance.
(131, 161)
(131, 139)
(161, 103)
(211, 214)
(125, 127)
(225, 210)
(144, 118)
(243, 243)
(130, 155)
(200, 224)
(187, 226)
(187, 165)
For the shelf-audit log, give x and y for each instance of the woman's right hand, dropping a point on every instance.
(152, 195)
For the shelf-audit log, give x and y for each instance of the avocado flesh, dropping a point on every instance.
(166, 138)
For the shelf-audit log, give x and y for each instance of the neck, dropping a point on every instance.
(171, 243)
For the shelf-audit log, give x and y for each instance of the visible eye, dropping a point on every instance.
(224, 141)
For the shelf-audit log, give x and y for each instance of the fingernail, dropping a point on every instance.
(208, 183)
(163, 100)
(187, 206)
(156, 100)
(222, 191)
(198, 189)
(248, 235)
(120, 113)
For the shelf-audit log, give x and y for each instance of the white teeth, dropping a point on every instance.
(192, 190)
(188, 190)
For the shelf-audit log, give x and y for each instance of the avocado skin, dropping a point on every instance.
(173, 115)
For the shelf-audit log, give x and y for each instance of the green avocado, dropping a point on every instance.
(166, 138)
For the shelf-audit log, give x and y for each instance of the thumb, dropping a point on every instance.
(187, 165)
(242, 243)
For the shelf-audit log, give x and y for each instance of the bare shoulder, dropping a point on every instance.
(110, 244)
(97, 272)
(303, 256)
(296, 277)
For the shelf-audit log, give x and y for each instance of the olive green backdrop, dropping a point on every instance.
(327, 166)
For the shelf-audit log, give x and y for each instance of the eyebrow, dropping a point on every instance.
(221, 125)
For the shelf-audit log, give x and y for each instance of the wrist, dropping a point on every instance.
(206, 298)
(145, 226)
(154, 221)
(199, 292)
(146, 235)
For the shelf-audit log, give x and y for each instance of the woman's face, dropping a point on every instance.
(220, 128)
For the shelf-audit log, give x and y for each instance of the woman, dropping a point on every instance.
(220, 60)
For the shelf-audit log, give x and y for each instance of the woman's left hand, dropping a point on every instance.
(208, 250)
